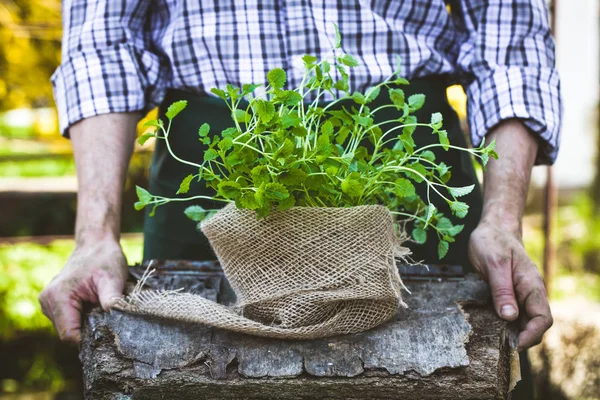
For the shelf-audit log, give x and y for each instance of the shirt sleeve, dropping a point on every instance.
(106, 62)
(507, 65)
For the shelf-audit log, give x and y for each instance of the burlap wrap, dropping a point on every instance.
(299, 274)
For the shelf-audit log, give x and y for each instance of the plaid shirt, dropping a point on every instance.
(121, 56)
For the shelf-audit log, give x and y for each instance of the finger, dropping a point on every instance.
(109, 289)
(66, 316)
(499, 276)
(532, 294)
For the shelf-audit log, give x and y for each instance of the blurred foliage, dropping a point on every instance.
(37, 168)
(29, 51)
(25, 268)
(578, 249)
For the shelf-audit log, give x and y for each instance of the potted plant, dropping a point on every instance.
(315, 196)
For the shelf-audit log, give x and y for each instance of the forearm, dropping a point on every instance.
(506, 179)
(102, 147)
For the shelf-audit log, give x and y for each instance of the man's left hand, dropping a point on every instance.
(514, 280)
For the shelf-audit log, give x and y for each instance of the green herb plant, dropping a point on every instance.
(284, 151)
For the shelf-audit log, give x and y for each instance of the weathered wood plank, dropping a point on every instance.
(430, 351)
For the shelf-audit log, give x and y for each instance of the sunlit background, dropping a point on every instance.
(38, 194)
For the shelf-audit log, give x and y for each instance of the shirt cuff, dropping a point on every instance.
(531, 94)
(100, 81)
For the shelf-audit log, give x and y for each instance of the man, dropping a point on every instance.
(121, 59)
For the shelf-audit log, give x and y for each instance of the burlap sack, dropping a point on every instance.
(298, 274)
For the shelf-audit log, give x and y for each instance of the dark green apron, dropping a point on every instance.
(170, 235)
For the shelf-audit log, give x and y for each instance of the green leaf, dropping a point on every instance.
(210, 154)
(407, 142)
(289, 120)
(289, 97)
(443, 135)
(265, 110)
(157, 123)
(372, 93)
(285, 149)
(430, 213)
(485, 158)
(324, 148)
(220, 93)
(248, 88)
(358, 98)
(410, 125)
(144, 138)
(277, 78)
(338, 37)
(352, 185)
(436, 120)
(443, 247)
(461, 191)
(444, 224)
(309, 60)
(230, 132)
(286, 203)
(175, 108)
(459, 208)
(314, 182)
(428, 155)
(241, 116)
(138, 205)
(260, 175)
(204, 130)
(195, 213)
(299, 131)
(143, 195)
(348, 60)
(404, 188)
(327, 128)
(364, 120)
(397, 97)
(455, 230)
(232, 91)
(416, 101)
(342, 135)
(341, 85)
(416, 172)
(292, 177)
(229, 189)
(226, 144)
(184, 187)
(247, 201)
(401, 81)
(398, 65)
(419, 235)
(276, 191)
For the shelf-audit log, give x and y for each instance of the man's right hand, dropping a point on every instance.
(97, 269)
(96, 273)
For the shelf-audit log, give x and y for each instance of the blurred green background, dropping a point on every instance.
(37, 208)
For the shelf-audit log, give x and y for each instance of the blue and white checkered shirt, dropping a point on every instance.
(121, 56)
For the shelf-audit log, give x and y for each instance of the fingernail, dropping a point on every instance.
(508, 311)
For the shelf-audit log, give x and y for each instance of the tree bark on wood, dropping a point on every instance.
(449, 344)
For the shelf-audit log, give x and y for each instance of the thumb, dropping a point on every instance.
(503, 293)
(109, 290)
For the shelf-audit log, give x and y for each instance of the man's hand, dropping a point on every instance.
(95, 273)
(97, 269)
(496, 246)
(514, 280)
